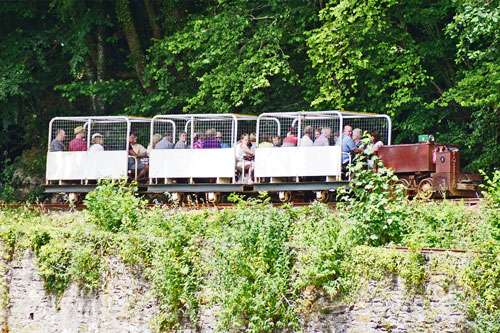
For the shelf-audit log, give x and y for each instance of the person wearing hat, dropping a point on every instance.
(78, 143)
(97, 142)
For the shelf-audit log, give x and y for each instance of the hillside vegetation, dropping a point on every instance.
(257, 261)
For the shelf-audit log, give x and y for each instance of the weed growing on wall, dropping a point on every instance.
(252, 262)
(492, 200)
(373, 206)
(115, 206)
(319, 253)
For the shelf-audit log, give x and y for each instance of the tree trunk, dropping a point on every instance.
(101, 64)
(125, 16)
(151, 6)
(90, 75)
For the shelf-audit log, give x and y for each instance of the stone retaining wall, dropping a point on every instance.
(126, 304)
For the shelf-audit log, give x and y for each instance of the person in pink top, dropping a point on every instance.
(78, 144)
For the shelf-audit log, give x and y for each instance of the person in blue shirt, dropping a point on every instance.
(348, 145)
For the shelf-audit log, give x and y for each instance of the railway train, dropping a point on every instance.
(296, 169)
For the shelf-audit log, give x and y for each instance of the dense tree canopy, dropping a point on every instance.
(433, 65)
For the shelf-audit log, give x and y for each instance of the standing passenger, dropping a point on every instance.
(57, 144)
(78, 143)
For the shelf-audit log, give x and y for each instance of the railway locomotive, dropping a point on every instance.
(302, 170)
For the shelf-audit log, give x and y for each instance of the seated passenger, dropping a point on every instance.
(375, 144)
(211, 142)
(291, 138)
(199, 138)
(156, 139)
(348, 145)
(57, 144)
(265, 141)
(134, 154)
(306, 140)
(182, 143)
(317, 133)
(78, 143)
(166, 142)
(253, 142)
(357, 135)
(276, 141)
(324, 138)
(221, 140)
(244, 157)
(97, 142)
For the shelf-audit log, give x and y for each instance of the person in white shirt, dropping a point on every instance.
(306, 140)
(97, 142)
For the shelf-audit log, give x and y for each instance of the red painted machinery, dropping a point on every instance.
(427, 169)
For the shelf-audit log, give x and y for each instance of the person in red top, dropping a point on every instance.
(78, 144)
(291, 138)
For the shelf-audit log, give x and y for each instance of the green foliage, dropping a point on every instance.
(445, 224)
(374, 207)
(492, 200)
(114, 206)
(364, 264)
(240, 56)
(261, 263)
(173, 263)
(252, 263)
(320, 254)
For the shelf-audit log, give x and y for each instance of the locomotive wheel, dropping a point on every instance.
(406, 184)
(323, 196)
(425, 190)
(286, 196)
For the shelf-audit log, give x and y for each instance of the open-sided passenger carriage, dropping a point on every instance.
(76, 172)
(303, 168)
(204, 170)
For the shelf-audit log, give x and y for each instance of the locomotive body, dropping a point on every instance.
(427, 169)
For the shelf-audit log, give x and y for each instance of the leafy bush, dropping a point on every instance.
(446, 224)
(492, 200)
(320, 254)
(252, 263)
(114, 206)
(374, 207)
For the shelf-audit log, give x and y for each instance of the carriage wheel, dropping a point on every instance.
(406, 185)
(214, 197)
(425, 190)
(286, 196)
(75, 198)
(323, 196)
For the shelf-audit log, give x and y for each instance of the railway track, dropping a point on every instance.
(197, 206)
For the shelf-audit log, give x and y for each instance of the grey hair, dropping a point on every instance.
(326, 130)
(357, 133)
